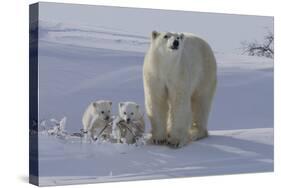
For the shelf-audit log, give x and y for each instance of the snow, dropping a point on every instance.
(224, 152)
(79, 64)
(97, 36)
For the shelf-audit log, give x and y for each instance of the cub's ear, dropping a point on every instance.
(110, 103)
(181, 36)
(154, 34)
(121, 104)
(138, 106)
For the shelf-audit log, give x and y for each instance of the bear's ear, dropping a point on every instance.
(138, 106)
(154, 34)
(110, 103)
(181, 36)
(94, 104)
(121, 104)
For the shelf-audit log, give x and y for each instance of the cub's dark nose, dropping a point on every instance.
(176, 43)
(128, 119)
(107, 118)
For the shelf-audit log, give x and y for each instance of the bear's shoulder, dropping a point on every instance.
(193, 36)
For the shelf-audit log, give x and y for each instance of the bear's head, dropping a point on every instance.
(167, 42)
(102, 108)
(129, 111)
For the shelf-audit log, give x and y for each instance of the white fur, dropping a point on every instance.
(179, 86)
(95, 118)
(130, 120)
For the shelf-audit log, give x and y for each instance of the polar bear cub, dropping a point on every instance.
(96, 119)
(129, 125)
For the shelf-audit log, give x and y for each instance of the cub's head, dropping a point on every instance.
(166, 41)
(102, 108)
(129, 111)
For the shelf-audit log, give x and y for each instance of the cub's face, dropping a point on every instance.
(167, 42)
(129, 111)
(103, 109)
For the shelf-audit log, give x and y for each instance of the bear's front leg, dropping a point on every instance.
(158, 118)
(180, 120)
(156, 108)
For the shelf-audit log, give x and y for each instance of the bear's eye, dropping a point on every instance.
(178, 38)
(132, 113)
(125, 113)
(108, 111)
(102, 112)
(166, 36)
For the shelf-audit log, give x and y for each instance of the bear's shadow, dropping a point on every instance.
(214, 152)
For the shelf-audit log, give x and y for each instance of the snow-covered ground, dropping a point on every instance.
(77, 66)
(224, 152)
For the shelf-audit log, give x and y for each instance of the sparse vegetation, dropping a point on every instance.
(266, 48)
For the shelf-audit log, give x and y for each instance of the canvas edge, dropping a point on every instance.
(33, 94)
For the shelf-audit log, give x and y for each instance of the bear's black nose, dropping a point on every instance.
(176, 43)
(128, 119)
(107, 118)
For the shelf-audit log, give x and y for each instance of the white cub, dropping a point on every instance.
(129, 126)
(96, 119)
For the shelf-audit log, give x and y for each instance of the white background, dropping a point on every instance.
(14, 90)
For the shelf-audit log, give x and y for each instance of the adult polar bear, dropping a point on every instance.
(180, 77)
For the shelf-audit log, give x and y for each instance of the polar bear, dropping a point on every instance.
(129, 125)
(96, 119)
(180, 76)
